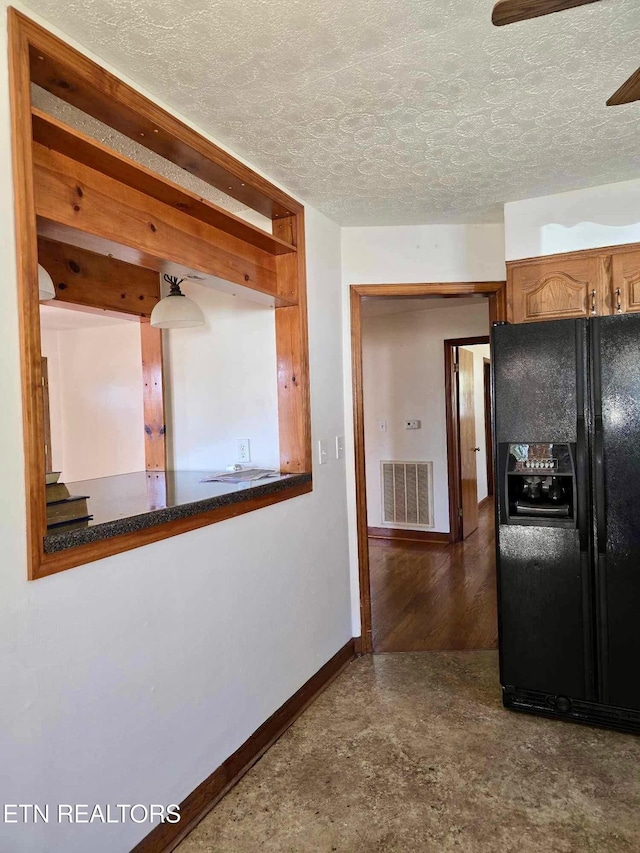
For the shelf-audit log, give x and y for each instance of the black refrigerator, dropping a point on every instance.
(567, 453)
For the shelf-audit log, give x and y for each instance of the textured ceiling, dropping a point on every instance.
(387, 111)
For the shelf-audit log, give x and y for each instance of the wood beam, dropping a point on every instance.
(97, 281)
(54, 134)
(294, 409)
(29, 309)
(68, 74)
(82, 199)
(153, 397)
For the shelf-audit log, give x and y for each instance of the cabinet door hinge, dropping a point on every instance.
(459, 512)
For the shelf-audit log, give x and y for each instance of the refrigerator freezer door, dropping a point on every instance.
(544, 574)
(616, 402)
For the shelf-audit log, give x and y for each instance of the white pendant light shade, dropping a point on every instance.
(176, 311)
(45, 285)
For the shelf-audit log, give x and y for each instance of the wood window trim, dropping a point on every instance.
(496, 291)
(278, 260)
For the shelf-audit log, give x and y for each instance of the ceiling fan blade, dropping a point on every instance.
(628, 92)
(510, 11)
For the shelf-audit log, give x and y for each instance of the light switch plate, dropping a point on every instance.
(323, 452)
(382, 426)
(339, 447)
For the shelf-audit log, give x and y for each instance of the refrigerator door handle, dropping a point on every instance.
(582, 483)
(600, 512)
(599, 496)
(581, 461)
(599, 502)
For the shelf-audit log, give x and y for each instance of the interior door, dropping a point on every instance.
(468, 448)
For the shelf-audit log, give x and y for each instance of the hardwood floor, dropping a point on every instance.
(435, 597)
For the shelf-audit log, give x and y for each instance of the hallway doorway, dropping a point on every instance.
(421, 588)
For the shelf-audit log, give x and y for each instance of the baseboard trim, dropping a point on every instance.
(165, 837)
(406, 535)
(485, 501)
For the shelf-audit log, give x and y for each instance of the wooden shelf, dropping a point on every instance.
(74, 191)
(67, 74)
(57, 136)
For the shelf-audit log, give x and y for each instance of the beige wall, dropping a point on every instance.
(403, 363)
(95, 389)
(220, 384)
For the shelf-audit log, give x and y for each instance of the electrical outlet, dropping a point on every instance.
(339, 447)
(413, 424)
(323, 452)
(243, 450)
(382, 426)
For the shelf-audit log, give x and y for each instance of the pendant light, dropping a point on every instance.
(176, 311)
(46, 290)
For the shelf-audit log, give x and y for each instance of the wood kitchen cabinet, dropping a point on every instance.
(559, 287)
(626, 282)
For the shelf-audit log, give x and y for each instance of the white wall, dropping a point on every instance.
(221, 384)
(584, 219)
(405, 254)
(423, 253)
(403, 378)
(95, 386)
(130, 679)
(480, 352)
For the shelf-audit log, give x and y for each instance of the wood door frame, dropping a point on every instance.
(496, 291)
(452, 416)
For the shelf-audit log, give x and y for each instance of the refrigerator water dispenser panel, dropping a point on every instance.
(540, 483)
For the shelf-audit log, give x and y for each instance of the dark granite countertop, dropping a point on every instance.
(126, 503)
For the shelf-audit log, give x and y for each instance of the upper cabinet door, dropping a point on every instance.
(626, 282)
(558, 289)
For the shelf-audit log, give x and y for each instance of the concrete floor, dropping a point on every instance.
(414, 753)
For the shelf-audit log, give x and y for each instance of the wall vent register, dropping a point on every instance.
(407, 494)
